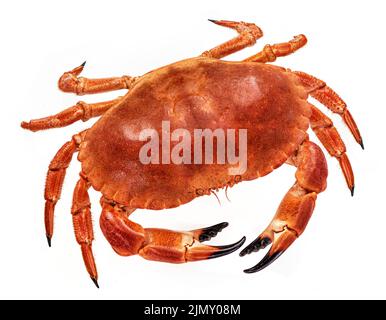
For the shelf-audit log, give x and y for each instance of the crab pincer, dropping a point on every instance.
(296, 208)
(198, 252)
(202, 94)
(280, 244)
(128, 238)
(180, 247)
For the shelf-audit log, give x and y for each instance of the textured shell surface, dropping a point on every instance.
(198, 93)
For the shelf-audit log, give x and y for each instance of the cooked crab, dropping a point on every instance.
(200, 92)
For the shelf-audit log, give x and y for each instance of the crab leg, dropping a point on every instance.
(295, 209)
(328, 97)
(71, 82)
(271, 52)
(248, 34)
(128, 238)
(54, 181)
(81, 111)
(81, 218)
(331, 140)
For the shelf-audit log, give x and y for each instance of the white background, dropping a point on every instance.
(342, 252)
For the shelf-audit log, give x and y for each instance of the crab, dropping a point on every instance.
(201, 92)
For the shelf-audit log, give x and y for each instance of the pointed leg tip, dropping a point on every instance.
(76, 71)
(212, 20)
(95, 281)
(362, 145)
(49, 241)
(352, 190)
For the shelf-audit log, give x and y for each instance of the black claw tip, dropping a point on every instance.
(362, 145)
(352, 190)
(210, 232)
(259, 243)
(243, 252)
(224, 250)
(212, 20)
(83, 64)
(95, 282)
(265, 262)
(204, 237)
(49, 241)
(223, 225)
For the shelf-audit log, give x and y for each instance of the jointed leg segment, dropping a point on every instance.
(70, 82)
(331, 140)
(271, 52)
(81, 218)
(328, 97)
(54, 181)
(81, 111)
(80, 210)
(248, 34)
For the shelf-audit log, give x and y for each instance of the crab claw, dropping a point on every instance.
(280, 244)
(205, 234)
(296, 208)
(180, 247)
(198, 251)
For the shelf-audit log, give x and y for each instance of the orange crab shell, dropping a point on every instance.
(200, 93)
(195, 93)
